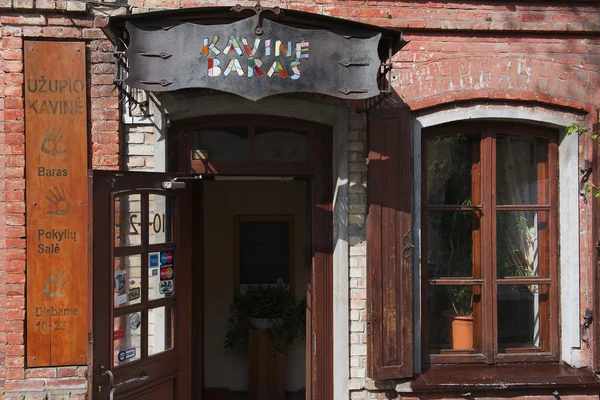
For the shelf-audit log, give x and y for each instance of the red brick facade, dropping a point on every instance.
(540, 55)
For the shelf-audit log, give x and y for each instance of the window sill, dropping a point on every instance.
(504, 376)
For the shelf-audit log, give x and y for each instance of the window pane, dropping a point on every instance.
(521, 170)
(521, 310)
(522, 248)
(127, 281)
(222, 144)
(452, 323)
(450, 238)
(128, 220)
(160, 325)
(160, 214)
(280, 145)
(127, 338)
(450, 162)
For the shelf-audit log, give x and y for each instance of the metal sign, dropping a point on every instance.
(166, 55)
(56, 186)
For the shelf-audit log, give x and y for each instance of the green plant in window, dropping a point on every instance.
(461, 298)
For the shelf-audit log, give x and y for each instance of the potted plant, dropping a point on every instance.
(461, 316)
(272, 308)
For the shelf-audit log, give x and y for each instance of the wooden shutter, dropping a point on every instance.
(389, 245)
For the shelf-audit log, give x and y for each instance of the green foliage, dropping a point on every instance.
(269, 302)
(461, 298)
(583, 130)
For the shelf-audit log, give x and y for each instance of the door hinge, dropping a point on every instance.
(314, 344)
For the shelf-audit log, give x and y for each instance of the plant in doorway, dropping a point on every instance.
(270, 307)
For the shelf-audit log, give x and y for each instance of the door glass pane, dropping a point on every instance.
(452, 318)
(521, 170)
(449, 170)
(160, 214)
(220, 144)
(127, 338)
(127, 281)
(450, 238)
(522, 237)
(521, 310)
(272, 144)
(161, 274)
(128, 220)
(160, 329)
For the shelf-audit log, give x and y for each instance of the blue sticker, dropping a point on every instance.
(126, 354)
(153, 262)
(155, 272)
(166, 257)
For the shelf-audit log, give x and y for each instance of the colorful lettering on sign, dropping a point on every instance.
(282, 50)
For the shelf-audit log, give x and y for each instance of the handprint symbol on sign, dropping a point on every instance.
(51, 141)
(53, 285)
(59, 201)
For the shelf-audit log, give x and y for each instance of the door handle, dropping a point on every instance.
(114, 388)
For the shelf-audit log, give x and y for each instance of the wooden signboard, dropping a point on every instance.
(56, 187)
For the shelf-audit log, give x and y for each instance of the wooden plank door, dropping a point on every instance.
(140, 339)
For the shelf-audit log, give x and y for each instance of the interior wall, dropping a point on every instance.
(222, 201)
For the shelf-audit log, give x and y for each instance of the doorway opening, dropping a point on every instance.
(263, 223)
(257, 250)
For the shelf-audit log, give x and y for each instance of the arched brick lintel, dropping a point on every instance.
(482, 96)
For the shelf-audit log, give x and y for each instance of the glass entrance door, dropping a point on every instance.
(141, 311)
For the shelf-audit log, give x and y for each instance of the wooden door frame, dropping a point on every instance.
(321, 278)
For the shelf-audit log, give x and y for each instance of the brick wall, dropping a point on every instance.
(528, 53)
(16, 380)
(139, 150)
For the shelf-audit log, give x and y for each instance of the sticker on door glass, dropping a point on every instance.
(153, 260)
(120, 280)
(166, 258)
(155, 272)
(166, 273)
(134, 294)
(118, 334)
(126, 354)
(120, 299)
(166, 286)
(135, 321)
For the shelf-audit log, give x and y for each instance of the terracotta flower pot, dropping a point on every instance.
(462, 333)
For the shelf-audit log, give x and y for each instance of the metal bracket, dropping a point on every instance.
(407, 250)
(258, 9)
(347, 63)
(588, 317)
(164, 55)
(585, 177)
(350, 91)
(162, 82)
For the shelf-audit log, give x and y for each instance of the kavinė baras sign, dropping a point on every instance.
(167, 55)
